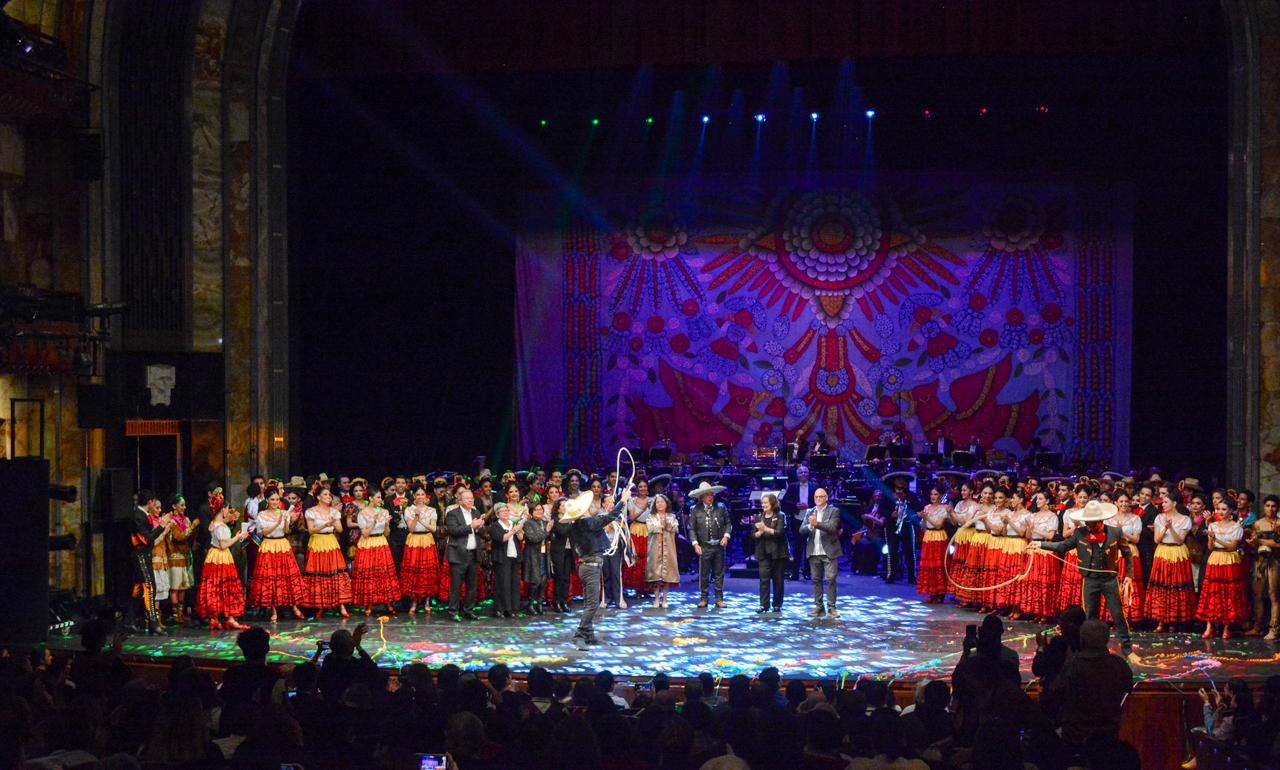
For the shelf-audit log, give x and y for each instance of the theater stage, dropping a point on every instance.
(883, 631)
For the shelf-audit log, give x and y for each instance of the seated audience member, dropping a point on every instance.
(1089, 691)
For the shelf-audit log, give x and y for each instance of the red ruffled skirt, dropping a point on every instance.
(420, 568)
(221, 593)
(1071, 584)
(1223, 597)
(1137, 596)
(1171, 594)
(1040, 589)
(1012, 562)
(633, 576)
(930, 581)
(446, 580)
(325, 578)
(978, 570)
(277, 581)
(957, 562)
(374, 580)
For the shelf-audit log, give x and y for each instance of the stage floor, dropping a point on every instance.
(883, 631)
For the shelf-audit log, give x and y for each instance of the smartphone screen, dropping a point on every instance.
(433, 762)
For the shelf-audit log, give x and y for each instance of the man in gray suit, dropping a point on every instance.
(820, 529)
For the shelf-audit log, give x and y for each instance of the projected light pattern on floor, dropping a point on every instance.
(885, 634)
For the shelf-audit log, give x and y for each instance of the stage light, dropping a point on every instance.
(871, 114)
(982, 111)
(648, 121)
(1042, 109)
(760, 117)
(706, 119)
(928, 113)
(595, 121)
(884, 549)
(813, 116)
(543, 122)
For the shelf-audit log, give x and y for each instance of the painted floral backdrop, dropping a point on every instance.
(921, 306)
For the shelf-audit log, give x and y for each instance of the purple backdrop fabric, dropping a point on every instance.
(924, 305)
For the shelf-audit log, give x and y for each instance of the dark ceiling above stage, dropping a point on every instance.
(406, 37)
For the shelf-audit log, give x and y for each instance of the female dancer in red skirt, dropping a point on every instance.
(1171, 595)
(1071, 586)
(420, 567)
(1223, 597)
(277, 581)
(374, 578)
(221, 593)
(983, 558)
(1130, 525)
(1013, 554)
(324, 576)
(960, 567)
(930, 580)
(1040, 589)
(633, 575)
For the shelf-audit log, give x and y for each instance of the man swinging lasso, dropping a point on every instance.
(1100, 548)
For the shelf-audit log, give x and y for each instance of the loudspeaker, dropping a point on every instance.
(24, 549)
(92, 407)
(115, 495)
(86, 158)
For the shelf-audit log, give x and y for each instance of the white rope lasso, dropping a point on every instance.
(946, 568)
(626, 529)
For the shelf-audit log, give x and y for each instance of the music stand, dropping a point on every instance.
(716, 451)
(900, 452)
(877, 452)
(659, 454)
(1048, 460)
(822, 463)
(964, 459)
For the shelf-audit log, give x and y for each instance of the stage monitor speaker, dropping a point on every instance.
(115, 495)
(92, 410)
(24, 549)
(86, 158)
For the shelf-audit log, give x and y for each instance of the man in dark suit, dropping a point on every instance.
(770, 533)
(709, 522)
(900, 512)
(795, 500)
(463, 523)
(1147, 510)
(1100, 548)
(506, 537)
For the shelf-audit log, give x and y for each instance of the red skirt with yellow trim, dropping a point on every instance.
(420, 568)
(1040, 589)
(977, 570)
(277, 581)
(325, 578)
(930, 581)
(956, 560)
(633, 576)
(221, 593)
(1223, 597)
(1012, 562)
(1071, 584)
(374, 578)
(1171, 594)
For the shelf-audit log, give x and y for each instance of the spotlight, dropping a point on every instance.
(813, 116)
(706, 119)
(928, 113)
(595, 121)
(871, 114)
(543, 122)
(1042, 109)
(759, 117)
(982, 111)
(884, 549)
(648, 121)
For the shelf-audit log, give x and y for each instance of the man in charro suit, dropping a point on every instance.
(711, 528)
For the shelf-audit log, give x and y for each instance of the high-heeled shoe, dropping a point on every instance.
(297, 613)
(234, 625)
(214, 625)
(343, 612)
(1226, 633)
(275, 618)
(1208, 633)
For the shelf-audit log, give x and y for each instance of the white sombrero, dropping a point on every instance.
(706, 489)
(574, 508)
(1094, 510)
